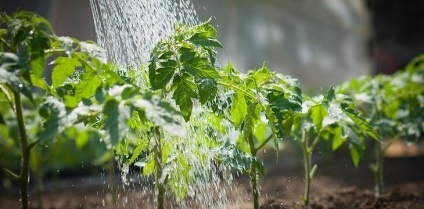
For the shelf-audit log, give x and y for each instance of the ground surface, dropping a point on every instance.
(337, 184)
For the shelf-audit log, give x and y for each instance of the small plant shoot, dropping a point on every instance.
(393, 105)
(328, 117)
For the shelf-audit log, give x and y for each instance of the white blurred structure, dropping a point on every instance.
(321, 42)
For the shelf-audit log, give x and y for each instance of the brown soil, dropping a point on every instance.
(337, 184)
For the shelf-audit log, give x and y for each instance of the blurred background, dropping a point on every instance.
(322, 42)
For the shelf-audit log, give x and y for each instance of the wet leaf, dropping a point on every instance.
(207, 90)
(201, 40)
(185, 91)
(116, 116)
(88, 85)
(65, 67)
(238, 109)
(317, 114)
(15, 83)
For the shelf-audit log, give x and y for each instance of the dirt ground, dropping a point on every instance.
(337, 185)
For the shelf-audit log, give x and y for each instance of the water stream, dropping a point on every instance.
(128, 30)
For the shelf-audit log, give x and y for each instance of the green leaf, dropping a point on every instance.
(238, 109)
(15, 83)
(149, 167)
(2, 121)
(161, 114)
(278, 101)
(201, 40)
(207, 90)
(57, 121)
(331, 95)
(8, 60)
(391, 109)
(259, 165)
(185, 90)
(201, 68)
(187, 56)
(317, 114)
(261, 75)
(37, 65)
(162, 77)
(40, 83)
(231, 155)
(152, 72)
(363, 125)
(65, 66)
(136, 153)
(88, 85)
(116, 116)
(338, 138)
(356, 153)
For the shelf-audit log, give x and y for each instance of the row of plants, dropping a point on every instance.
(173, 115)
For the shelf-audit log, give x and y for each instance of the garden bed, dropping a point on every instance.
(337, 184)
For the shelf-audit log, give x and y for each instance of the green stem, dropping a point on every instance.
(264, 143)
(11, 174)
(160, 188)
(309, 169)
(246, 93)
(378, 169)
(307, 165)
(253, 173)
(25, 149)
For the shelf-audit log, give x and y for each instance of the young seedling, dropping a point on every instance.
(182, 68)
(393, 104)
(260, 101)
(332, 118)
(23, 39)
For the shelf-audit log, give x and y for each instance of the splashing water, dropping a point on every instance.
(129, 30)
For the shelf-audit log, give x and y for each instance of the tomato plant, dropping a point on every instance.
(181, 68)
(393, 104)
(88, 98)
(329, 117)
(260, 102)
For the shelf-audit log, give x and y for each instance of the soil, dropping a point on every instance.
(337, 184)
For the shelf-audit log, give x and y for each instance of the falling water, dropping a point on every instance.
(128, 30)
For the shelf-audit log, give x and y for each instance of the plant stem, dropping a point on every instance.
(253, 172)
(264, 143)
(246, 93)
(309, 169)
(25, 149)
(378, 169)
(160, 188)
(307, 164)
